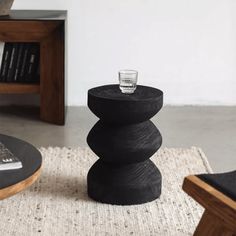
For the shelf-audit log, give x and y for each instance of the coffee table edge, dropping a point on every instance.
(18, 187)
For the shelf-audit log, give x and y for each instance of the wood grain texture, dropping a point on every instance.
(13, 88)
(124, 185)
(133, 143)
(16, 188)
(52, 84)
(26, 31)
(124, 140)
(109, 104)
(211, 225)
(215, 202)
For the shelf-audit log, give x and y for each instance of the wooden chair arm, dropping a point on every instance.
(212, 200)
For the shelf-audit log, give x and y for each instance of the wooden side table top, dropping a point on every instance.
(14, 181)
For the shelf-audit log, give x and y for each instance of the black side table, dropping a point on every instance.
(124, 139)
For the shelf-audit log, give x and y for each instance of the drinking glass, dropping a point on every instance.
(128, 81)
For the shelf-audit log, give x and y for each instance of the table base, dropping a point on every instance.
(124, 184)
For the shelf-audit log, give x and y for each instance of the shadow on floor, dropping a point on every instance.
(24, 112)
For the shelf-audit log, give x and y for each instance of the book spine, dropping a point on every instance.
(24, 61)
(12, 64)
(6, 61)
(1, 55)
(37, 74)
(18, 62)
(32, 62)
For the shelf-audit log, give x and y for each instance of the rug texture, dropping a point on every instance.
(57, 204)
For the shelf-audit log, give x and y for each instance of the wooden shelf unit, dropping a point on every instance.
(47, 28)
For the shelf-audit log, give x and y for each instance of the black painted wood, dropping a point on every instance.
(124, 139)
(28, 154)
(109, 104)
(124, 143)
(124, 184)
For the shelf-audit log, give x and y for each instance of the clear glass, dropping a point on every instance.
(128, 81)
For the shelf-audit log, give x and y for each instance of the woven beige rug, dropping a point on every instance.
(58, 205)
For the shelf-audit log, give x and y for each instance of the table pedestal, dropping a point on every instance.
(124, 174)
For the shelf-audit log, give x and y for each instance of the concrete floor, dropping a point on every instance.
(211, 128)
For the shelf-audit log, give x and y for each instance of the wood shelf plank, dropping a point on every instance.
(14, 88)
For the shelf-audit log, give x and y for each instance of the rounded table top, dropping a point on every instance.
(13, 181)
(112, 92)
(110, 104)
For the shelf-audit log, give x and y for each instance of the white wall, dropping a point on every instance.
(187, 48)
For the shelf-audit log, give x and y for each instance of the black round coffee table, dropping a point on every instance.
(124, 139)
(14, 181)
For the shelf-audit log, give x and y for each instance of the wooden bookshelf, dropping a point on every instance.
(48, 29)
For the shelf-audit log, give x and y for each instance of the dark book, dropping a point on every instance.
(32, 63)
(6, 61)
(18, 62)
(1, 54)
(24, 63)
(12, 64)
(37, 76)
(8, 161)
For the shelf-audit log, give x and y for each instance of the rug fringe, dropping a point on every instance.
(204, 159)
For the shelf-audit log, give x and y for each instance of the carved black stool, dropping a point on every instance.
(124, 139)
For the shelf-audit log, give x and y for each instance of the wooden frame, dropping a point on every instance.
(51, 36)
(219, 218)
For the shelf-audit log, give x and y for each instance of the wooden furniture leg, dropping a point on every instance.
(219, 218)
(52, 107)
(210, 225)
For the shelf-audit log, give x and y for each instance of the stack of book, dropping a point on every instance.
(19, 62)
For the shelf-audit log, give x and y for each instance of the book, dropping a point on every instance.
(32, 63)
(5, 61)
(24, 63)
(8, 161)
(18, 62)
(37, 76)
(1, 53)
(12, 64)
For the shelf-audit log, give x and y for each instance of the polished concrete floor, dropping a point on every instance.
(211, 128)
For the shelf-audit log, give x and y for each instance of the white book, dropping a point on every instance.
(2, 44)
(8, 161)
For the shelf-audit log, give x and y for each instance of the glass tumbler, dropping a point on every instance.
(128, 81)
